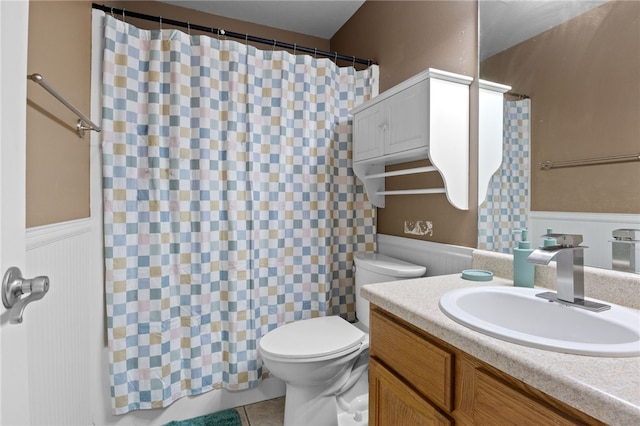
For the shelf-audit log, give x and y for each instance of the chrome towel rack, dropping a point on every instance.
(84, 123)
(547, 165)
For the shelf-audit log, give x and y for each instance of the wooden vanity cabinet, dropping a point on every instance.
(417, 379)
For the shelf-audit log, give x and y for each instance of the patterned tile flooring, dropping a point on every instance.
(265, 413)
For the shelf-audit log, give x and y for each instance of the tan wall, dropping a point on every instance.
(583, 78)
(60, 50)
(406, 37)
(57, 160)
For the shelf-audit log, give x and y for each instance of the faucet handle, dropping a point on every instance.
(566, 240)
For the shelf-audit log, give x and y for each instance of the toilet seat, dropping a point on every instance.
(312, 339)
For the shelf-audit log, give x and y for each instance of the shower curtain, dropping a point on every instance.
(506, 207)
(230, 206)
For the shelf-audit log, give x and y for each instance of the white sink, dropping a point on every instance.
(515, 314)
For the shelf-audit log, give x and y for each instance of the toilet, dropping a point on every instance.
(324, 361)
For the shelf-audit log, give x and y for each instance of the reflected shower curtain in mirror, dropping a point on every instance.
(230, 206)
(506, 207)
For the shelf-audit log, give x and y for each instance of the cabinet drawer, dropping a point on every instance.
(496, 403)
(425, 366)
(393, 403)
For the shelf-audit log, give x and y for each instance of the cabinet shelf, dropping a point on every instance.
(425, 117)
(414, 191)
(413, 171)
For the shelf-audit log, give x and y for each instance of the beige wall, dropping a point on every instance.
(583, 78)
(406, 37)
(60, 50)
(57, 160)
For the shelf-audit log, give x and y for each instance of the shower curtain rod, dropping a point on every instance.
(220, 32)
(518, 96)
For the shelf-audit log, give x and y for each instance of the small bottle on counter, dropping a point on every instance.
(523, 271)
(548, 242)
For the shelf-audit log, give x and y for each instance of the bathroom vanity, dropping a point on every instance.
(427, 369)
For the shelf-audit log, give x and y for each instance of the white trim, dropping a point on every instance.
(596, 229)
(15, 391)
(631, 219)
(48, 234)
(438, 258)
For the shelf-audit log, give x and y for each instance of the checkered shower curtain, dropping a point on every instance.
(230, 206)
(507, 205)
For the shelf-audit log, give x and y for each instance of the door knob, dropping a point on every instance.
(17, 292)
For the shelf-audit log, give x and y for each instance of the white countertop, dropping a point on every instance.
(607, 389)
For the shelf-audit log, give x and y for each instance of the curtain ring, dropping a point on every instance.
(112, 12)
(295, 46)
(124, 18)
(188, 28)
(353, 64)
(315, 53)
(161, 23)
(274, 45)
(335, 58)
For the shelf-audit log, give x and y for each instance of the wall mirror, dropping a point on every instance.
(577, 62)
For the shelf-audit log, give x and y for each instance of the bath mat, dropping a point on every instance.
(221, 418)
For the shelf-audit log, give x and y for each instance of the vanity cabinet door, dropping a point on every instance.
(496, 403)
(425, 366)
(393, 403)
(417, 379)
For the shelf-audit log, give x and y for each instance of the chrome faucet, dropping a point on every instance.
(569, 255)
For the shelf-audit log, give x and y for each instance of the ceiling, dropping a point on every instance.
(503, 23)
(320, 18)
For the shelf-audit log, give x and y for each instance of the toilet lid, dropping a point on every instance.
(311, 338)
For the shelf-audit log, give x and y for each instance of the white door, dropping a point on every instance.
(14, 14)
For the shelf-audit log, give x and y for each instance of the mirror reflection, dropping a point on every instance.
(573, 67)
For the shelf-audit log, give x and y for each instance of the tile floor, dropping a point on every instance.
(265, 413)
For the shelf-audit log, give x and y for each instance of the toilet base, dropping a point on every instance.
(318, 406)
(346, 419)
(354, 410)
(310, 406)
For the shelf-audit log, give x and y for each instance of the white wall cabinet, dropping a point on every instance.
(490, 138)
(425, 117)
(392, 127)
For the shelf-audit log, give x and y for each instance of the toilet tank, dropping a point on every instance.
(374, 268)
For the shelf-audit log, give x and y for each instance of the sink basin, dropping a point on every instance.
(515, 314)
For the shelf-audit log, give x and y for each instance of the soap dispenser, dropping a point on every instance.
(523, 271)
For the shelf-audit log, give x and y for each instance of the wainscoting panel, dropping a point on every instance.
(439, 259)
(595, 228)
(58, 325)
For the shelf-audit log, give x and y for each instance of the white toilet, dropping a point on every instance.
(322, 360)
